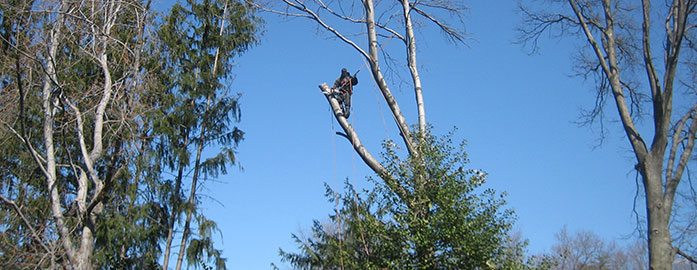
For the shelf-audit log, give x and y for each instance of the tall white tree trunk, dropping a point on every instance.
(411, 62)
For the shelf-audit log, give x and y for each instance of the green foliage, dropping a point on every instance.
(156, 119)
(199, 111)
(79, 82)
(443, 220)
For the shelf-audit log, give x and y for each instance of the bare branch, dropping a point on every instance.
(40, 160)
(262, 8)
(352, 136)
(611, 70)
(346, 18)
(48, 133)
(686, 256)
(307, 13)
(672, 182)
(28, 225)
(411, 62)
(449, 31)
(534, 25)
(677, 131)
(591, 39)
(380, 80)
(648, 59)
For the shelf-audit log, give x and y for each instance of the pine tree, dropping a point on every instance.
(200, 40)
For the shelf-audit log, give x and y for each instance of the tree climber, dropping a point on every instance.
(343, 89)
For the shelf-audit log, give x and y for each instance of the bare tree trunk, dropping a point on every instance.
(661, 252)
(48, 133)
(360, 149)
(373, 60)
(650, 161)
(411, 60)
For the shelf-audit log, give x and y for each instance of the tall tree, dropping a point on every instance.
(200, 40)
(415, 184)
(74, 68)
(619, 46)
(400, 26)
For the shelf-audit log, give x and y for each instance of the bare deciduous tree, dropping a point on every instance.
(85, 71)
(617, 50)
(586, 250)
(382, 22)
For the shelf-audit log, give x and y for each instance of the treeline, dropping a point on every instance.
(105, 110)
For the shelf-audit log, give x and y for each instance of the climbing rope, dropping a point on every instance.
(336, 196)
(356, 199)
(379, 50)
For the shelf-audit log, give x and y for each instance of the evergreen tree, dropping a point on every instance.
(446, 223)
(199, 40)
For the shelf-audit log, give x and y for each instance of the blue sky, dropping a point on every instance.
(515, 110)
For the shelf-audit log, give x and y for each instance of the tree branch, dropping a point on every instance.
(380, 79)
(449, 31)
(684, 255)
(646, 48)
(16, 209)
(676, 141)
(349, 19)
(352, 136)
(411, 61)
(612, 72)
(48, 132)
(672, 182)
(312, 15)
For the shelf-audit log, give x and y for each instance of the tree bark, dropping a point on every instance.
(411, 62)
(661, 253)
(659, 196)
(360, 148)
(48, 133)
(380, 79)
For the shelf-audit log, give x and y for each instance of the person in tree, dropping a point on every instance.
(343, 89)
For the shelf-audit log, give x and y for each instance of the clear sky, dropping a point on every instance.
(516, 111)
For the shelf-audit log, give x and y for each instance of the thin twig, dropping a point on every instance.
(684, 255)
(26, 222)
